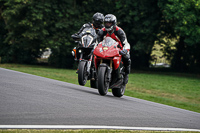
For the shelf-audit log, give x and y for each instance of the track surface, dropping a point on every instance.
(32, 100)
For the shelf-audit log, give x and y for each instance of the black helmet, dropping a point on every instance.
(110, 21)
(97, 19)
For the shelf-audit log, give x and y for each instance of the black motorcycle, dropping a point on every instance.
(82, 53)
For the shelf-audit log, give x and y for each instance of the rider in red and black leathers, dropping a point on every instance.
(115, 32)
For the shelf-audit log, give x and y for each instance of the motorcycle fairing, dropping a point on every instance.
(104, 51)
(116, 61)
(86, 40)
(114, 37)
(107, 50)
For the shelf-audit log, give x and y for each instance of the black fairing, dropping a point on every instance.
(86, 42)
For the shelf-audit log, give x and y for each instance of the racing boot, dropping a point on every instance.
(126, 78)
(127, 71)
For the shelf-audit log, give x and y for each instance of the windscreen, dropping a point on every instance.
(107, 42)
(89, 30)
(88, 35)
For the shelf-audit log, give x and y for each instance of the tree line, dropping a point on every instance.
(30, 26)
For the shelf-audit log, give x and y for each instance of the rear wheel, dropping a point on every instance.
(103, 83)
(119, 92)
(82, 73)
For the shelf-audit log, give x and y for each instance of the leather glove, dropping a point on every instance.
(123, 52)
(75, 36)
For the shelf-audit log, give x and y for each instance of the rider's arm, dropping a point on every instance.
(100, 35)
(122, 36)
(83, 27)
(76, 36)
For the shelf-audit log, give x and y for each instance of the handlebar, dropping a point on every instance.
(75, 37)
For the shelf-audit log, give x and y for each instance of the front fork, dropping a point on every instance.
(81, 57)
(109, 69)
(109, 73)
(89, 64)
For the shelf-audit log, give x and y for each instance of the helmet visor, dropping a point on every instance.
(97, 23)
(108, 24)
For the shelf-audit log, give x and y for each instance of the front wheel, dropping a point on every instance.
(103, 83)
(119, 92)
(82, 73)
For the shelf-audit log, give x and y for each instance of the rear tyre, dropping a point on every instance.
(119, 92)
(82, 73)
(103, 83)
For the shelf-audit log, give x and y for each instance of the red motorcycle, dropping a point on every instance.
(109, 67)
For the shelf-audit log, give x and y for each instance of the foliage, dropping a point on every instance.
(182, 21)
(30, 26)
(34, 25)
(141, 24)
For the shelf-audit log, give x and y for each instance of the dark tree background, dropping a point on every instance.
(27, 27)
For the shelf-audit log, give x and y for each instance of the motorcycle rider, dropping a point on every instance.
(112, 30)
(97, 24)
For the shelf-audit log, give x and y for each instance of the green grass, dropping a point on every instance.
(178, 90)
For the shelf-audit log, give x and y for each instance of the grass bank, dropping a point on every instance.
(174, 89)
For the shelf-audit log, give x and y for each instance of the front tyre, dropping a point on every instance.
(119, 92)
(103, 83)
(82, 73)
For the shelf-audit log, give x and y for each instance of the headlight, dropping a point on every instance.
(80, 51)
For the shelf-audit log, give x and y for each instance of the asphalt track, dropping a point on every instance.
(30, 100)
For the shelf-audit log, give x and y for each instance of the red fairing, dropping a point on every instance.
(96, 60)
(107, 53)
(116, 61)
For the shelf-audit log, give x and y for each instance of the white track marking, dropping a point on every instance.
(92, 127)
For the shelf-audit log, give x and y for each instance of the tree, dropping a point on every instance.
(28, 27)
(34, 25)
(182, 17)
(141, 21)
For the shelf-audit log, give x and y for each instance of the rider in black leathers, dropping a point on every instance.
(97, 24)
